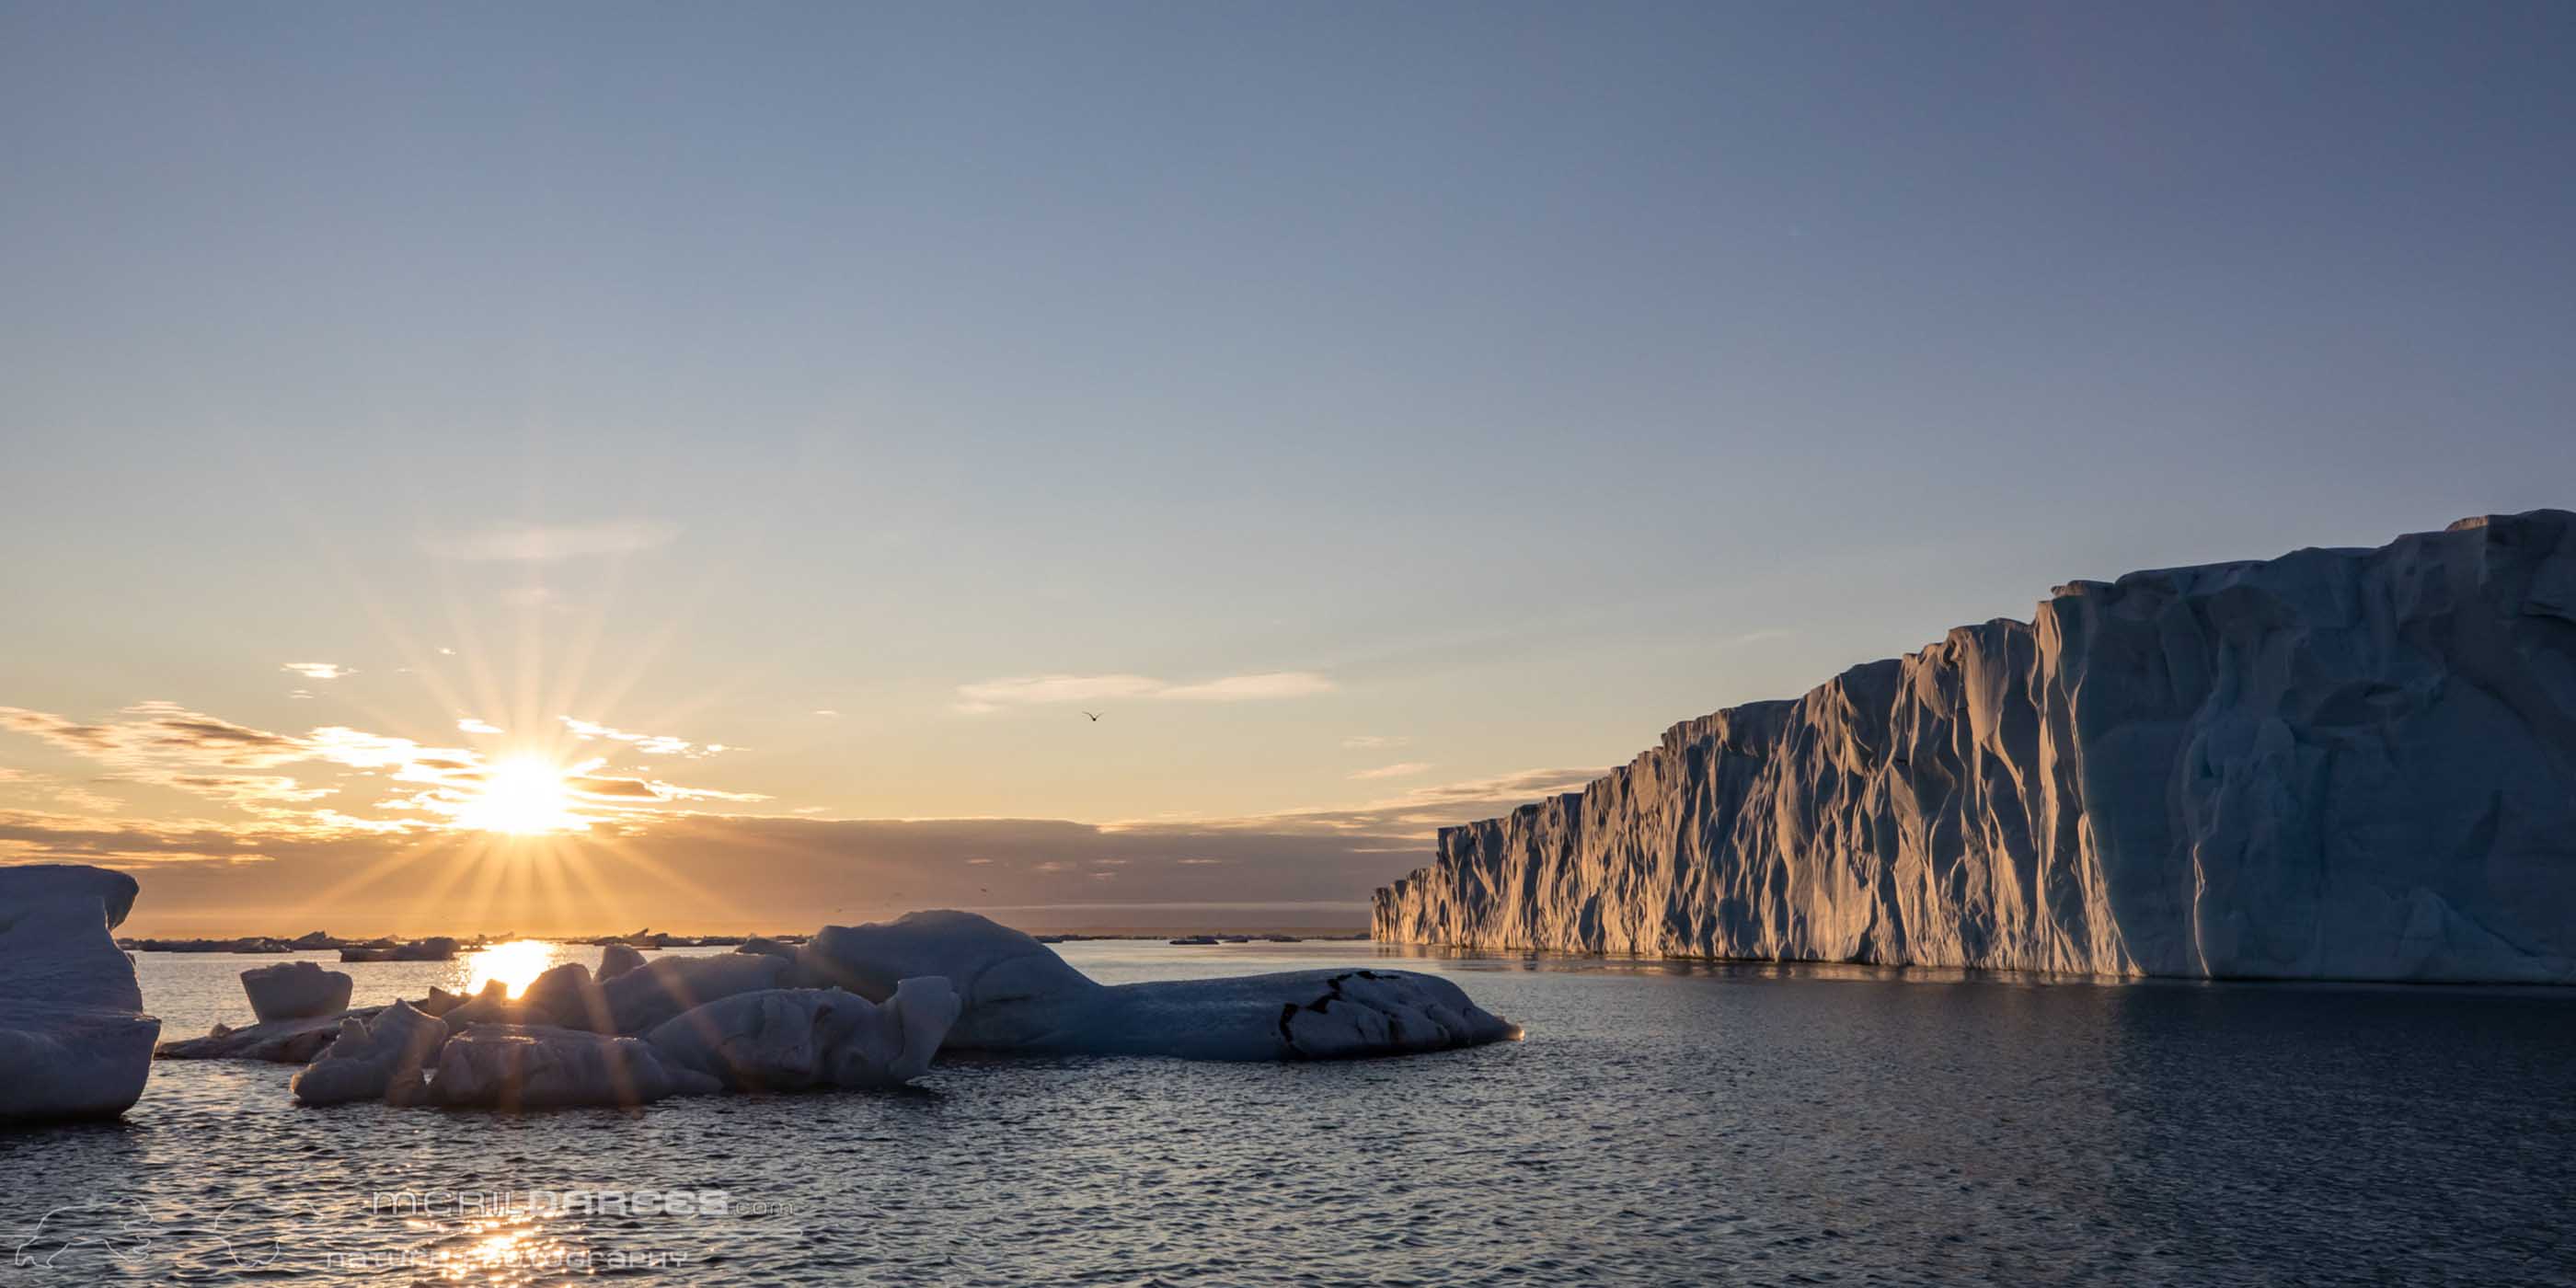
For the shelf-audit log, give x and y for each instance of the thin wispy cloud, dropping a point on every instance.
(1406, 770)
(1039, 690)
(544, 543)
(651, 744)
(1375, 741)
(318, 670)
(1251, 688)
(472, 725)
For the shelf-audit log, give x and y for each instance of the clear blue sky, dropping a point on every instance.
(1498, 382)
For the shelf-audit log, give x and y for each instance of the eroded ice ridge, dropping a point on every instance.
(74, 1041)
(2338, 764)
(1018, 995)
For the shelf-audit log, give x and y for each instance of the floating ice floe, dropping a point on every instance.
(277, 1042)
(1018, 995)
(74, 1041)
(295, 991)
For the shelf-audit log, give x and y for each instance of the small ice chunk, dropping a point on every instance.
(373, 1061)
(295, 991)
(617, 959)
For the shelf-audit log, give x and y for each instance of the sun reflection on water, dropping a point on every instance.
(516, 964)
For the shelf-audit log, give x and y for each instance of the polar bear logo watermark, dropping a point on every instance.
(113, 1226)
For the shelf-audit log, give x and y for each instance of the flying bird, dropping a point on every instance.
(1095, 716)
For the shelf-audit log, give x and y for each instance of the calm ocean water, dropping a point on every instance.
(1662, 1124)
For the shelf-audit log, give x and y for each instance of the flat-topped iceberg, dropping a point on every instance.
(74, 1041)
(295, 991)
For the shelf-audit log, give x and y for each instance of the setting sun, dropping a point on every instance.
(523, 796)
(516, 964)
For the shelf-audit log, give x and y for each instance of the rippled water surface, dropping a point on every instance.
(1661, 1125)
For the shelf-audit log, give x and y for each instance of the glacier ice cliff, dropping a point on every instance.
(2337, 764)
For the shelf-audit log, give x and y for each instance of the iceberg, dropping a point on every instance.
(2337, 764)
(1016, 994)
(381, 1060)
(514, 1067)
(74, 1041)
(804, 1038)
(651, 994)
(295, 991)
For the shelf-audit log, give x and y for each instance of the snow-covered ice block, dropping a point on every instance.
(74, 1041)
(531, 1067)
(295, 991)
(796, 1039)
(381, 1060)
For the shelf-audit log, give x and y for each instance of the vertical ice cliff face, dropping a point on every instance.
(2338, 764)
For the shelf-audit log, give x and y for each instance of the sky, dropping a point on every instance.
(575, 467)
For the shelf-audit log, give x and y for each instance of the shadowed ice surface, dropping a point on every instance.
(1662, 1124)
